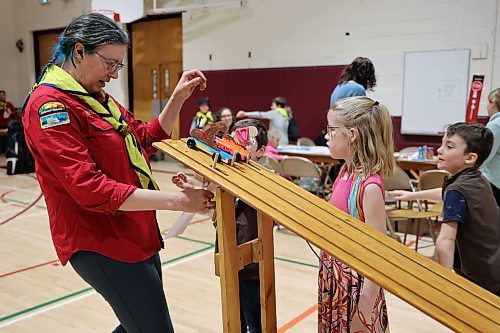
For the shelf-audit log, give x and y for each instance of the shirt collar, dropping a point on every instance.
(496, 115)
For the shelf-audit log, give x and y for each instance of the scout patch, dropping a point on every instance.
(54, 119)
(51, 107)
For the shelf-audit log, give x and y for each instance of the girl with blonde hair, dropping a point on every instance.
(359, 131)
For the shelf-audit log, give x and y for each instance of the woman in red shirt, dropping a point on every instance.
(92, 164)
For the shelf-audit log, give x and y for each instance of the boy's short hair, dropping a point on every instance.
(478, 139)
(280, 101)
(261, 130)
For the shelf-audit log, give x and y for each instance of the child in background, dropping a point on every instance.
(226, 115)
(246, 230)
(273, 139)
(278, 117)
(359, 131)
(471, 219)
(203, 115)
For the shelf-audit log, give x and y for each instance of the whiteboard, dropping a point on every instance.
(434, 90)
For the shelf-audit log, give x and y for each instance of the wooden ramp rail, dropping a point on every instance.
(441, 294)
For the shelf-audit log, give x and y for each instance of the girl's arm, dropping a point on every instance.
(374, 210)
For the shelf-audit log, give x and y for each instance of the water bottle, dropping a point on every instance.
(421, 153)
(430, 153)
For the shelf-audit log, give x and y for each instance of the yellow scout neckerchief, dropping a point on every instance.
(204, 118)
(282, 112)
(58, 78)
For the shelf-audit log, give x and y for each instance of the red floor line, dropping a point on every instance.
(57, 260)
(2, 199)
(312, 309)
(298, 319)
(410, 243)
(29, 268)
(4, 194)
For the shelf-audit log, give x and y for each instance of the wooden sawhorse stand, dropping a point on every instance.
(232, 258)
(443, 295)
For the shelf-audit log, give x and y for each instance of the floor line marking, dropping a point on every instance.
(298, 319)
(29, 268)
(20, 189)
(64, 300)
(57, 260)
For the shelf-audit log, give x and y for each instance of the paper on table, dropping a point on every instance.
(180, 225)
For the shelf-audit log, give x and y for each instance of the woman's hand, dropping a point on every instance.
(241, 114)
(196, 201)
(182, 181)
(188, 82)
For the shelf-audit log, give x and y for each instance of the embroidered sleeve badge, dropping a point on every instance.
(51, 107)
(54, 119)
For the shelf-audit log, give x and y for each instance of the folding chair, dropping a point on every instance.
(299, 167)
(305, 142)
(271, 163)
(428, 180)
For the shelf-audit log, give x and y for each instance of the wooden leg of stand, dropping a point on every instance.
(226, 232)
(266, 275)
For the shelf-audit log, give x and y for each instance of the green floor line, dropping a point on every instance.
(195, 240)
(296, 262)
(19, 313)
(23, 202)
(16, 314)
(276, 258)
(210, 245)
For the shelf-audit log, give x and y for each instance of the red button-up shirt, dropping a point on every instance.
(85, 175)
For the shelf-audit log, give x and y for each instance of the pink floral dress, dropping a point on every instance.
(338, 295)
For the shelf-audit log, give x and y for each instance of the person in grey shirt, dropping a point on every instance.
(491, 166)
(277, 116)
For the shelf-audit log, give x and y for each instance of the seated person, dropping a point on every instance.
(273, 139)
(7, 110)
(226, 115)
(203, 115)
(471, 218)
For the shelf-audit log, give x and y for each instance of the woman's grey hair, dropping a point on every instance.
(93, 31)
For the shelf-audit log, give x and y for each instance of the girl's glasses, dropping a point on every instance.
(113, 66)
(331, 129)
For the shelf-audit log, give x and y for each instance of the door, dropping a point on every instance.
(156, 65)
(44, 43)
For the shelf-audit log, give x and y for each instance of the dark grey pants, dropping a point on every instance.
(134, 291)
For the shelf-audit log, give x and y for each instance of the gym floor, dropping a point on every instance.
(38, 294)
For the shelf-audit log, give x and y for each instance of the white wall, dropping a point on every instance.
(283, 33)
(29, 16)
(19, 19)
(8, 51)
